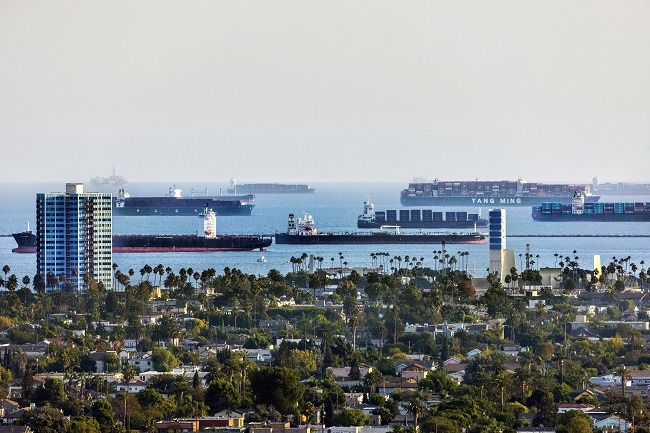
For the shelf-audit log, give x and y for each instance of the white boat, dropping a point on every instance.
(262, 259)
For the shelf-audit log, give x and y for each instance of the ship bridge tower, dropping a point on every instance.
(368, 211)
(209, 223)
(291, 225)
(578, 203)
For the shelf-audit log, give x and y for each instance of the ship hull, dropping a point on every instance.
(243, 210)
(364, 224)
(416, 200)
(187, 243)
(602, 217)
(379, 238)
(26, 242)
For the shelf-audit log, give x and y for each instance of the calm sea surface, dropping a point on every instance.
(335, 207)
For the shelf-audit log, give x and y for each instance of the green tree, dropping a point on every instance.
(102, 411)
(277, 386)
(220, 395)
(84, 425)
(574, 421)
(351, 417)
(45, 420)
(162, 359)
(51, 391)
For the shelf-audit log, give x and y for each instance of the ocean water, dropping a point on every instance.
(335, 207)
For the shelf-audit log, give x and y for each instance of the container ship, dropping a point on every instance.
(26, 241)
(269, 188)
(305, 233)
(493, 193)
(210, 242)
(417, 218)
(579, 210)
(620, 188)
(175, 204)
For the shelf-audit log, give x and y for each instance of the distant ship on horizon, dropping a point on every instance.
(268, 188)
(620, 188)
(114, 180)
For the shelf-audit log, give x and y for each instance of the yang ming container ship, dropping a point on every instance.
(493, 193)
(417, 218)
(581, 211)
(175, 204)
(210, 242)
(268, 188)
(304, 233)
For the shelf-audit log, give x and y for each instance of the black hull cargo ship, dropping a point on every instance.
(26, 241)
(305, 234)
(491, 193)
(418, 219)
(175, 204)
(210, 242)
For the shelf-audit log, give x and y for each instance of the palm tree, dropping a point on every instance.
(624, 374)
(6, 270)
(502, 381)
(129, 373)
(415, 408)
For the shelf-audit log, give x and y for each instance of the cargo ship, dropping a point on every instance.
(620, 188)
(417, 218)
(26, 241)
(493, 193)
(175, 204)
(210, 242)
(579, 210)
(268, 188)
(305, 233)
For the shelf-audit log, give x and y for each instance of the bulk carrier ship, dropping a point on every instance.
(175, 204)
(210, 242)
(304, 233)
(269, 188)
(417, 218)
(493, 193)
(579, 210)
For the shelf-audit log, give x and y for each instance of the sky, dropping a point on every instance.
(325, 90)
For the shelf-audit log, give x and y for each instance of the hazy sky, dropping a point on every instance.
(325, 90)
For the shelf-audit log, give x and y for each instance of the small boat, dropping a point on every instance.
(262, 259)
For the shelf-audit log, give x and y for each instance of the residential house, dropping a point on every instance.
(567, 407)
(415, 371)
(177, 426)
(15, 429)
(133, 386)
(613, 423)
(141, 361)
(99, 357)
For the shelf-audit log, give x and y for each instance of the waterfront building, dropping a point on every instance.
(74, 236)
(501, 259)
